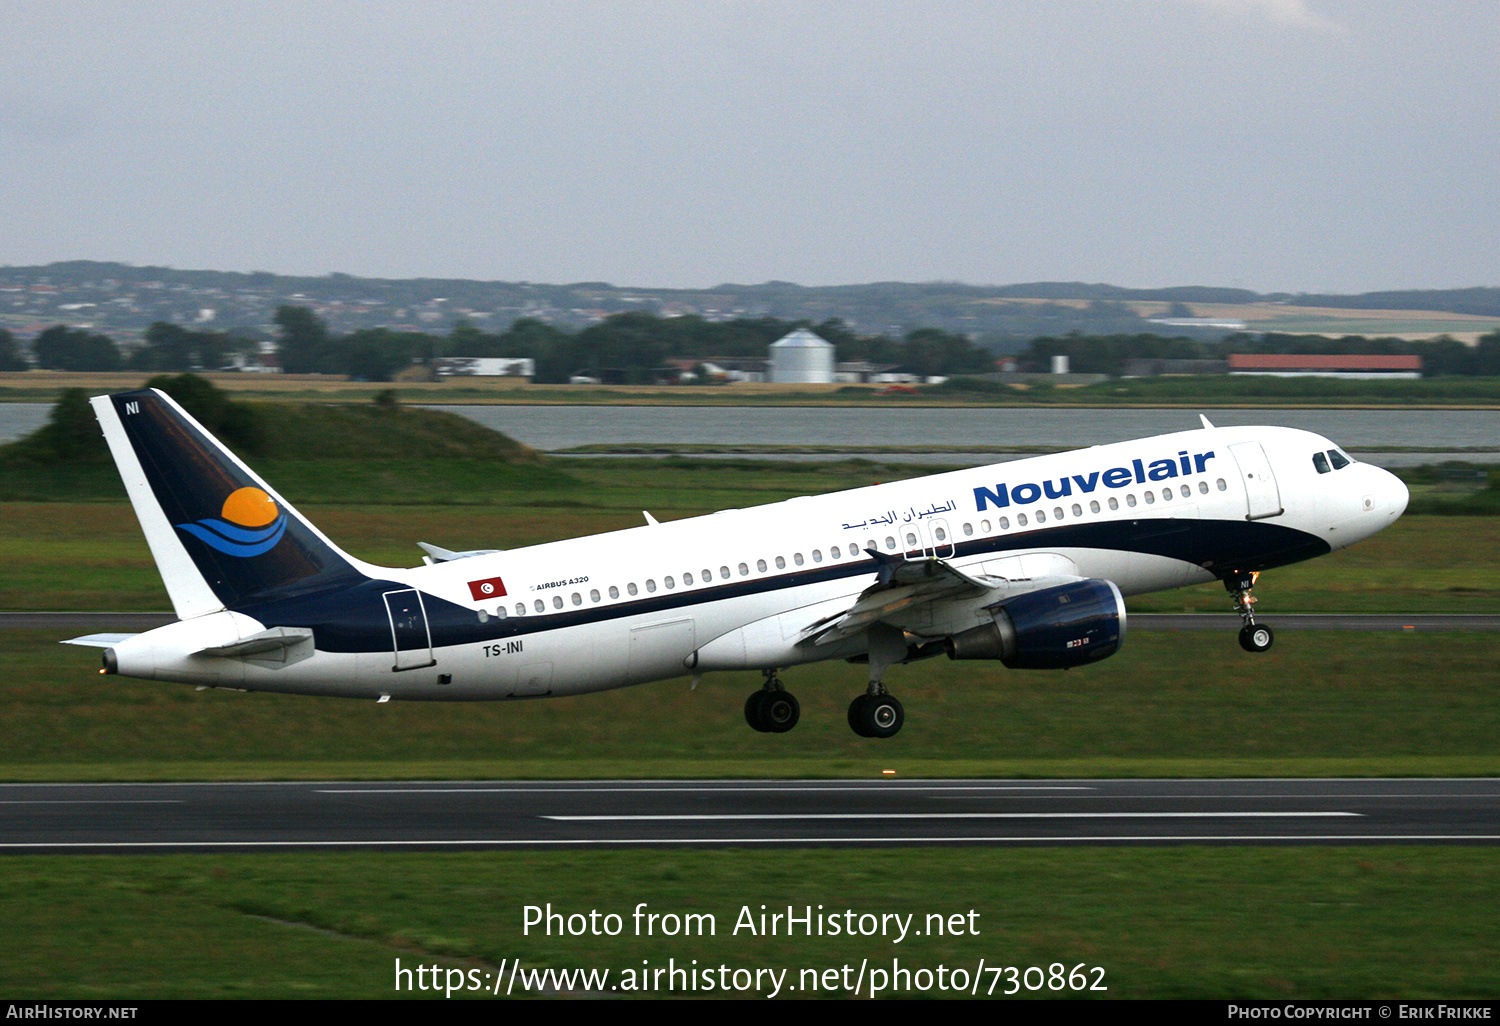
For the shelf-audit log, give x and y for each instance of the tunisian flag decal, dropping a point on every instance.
(489, 588)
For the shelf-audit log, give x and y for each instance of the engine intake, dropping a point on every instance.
(1051, 629)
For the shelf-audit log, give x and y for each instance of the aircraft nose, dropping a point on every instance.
(1389, 494)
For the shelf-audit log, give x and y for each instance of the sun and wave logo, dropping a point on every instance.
(249, 524)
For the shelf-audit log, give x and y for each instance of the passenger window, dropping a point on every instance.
(577, 599)
(817, 555)
(632, 588)
(1114, 503)
(520, 609)
(760, 564)
(1203, 487)
(834, 552)
(1339, 460)
(594, 595)
(1222, 486)
(796, 558)
(614, 592)
(911, 540)
(669, 582)
(1077, 510)
(781, 562)
(1041, 516)
(650, 585)
(724, 572)
(556, 601)
(984, 526)
(890, 543)
(1020, 519)
(687, 577)
(1130, 501)
(1005, 523)
(1094, 506)
(1057, 513)
(1166, 494)
(968, 529)
(1186, 491)
(705, 576)
(1150, 498)
(540, 606)
(744, 570)
(1320, 461)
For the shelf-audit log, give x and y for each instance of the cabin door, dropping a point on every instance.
(1262, 496)
(410, 638)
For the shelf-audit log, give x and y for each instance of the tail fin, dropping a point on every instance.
(219, 534)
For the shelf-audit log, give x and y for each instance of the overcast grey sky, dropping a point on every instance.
(1304, 145)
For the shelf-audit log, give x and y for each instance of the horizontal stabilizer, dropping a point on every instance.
(442, 555)
(266, 641)
(98, 640)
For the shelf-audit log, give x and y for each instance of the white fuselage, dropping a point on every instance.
(737, 589)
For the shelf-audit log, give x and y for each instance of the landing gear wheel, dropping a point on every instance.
(857, 715)
(1256, 638)
(772, 712)
(779, 711)
(876, 716)
(753, 706)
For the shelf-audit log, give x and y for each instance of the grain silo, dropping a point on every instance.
(802, 358)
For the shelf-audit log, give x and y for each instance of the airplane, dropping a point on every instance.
(1026, 563)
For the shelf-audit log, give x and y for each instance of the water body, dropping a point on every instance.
(564, 427)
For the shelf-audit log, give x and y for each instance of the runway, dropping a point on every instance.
(1229, 622)
(479, 815)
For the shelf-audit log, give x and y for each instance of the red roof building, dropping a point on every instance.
(1349, 366)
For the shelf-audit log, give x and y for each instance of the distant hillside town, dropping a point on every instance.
(93, 316)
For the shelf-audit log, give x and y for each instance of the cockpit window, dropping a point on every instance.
(1321, 462)
(1340, 461)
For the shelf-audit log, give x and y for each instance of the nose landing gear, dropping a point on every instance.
(1254, 637)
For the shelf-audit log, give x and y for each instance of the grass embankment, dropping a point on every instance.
(1163, 923)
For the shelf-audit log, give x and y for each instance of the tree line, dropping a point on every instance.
(637, 347)
(630, 347)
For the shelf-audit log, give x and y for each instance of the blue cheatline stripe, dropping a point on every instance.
(355, 620)
(233, 548)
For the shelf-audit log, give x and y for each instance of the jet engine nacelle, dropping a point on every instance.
(1050, 629)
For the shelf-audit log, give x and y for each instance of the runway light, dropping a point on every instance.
(888, 773)
(1409, 627)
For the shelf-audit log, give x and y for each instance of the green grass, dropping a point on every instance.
(1167, 704)
(1183, 922)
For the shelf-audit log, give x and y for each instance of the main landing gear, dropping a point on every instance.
(773, 709)
(1254, 637)
(876, 713)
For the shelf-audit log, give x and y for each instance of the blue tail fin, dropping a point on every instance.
(220, 535)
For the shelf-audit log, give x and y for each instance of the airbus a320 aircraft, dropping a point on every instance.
(1026, 563)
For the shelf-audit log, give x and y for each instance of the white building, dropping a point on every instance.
(484, 367)
(802, 358)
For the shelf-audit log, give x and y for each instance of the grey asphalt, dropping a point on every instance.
(122, 622)
(475, 815)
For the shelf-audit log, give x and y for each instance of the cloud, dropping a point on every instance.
(1291, 13)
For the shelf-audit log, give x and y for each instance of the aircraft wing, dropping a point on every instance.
(903, 586)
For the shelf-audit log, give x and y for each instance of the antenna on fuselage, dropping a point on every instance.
(1206, 424)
